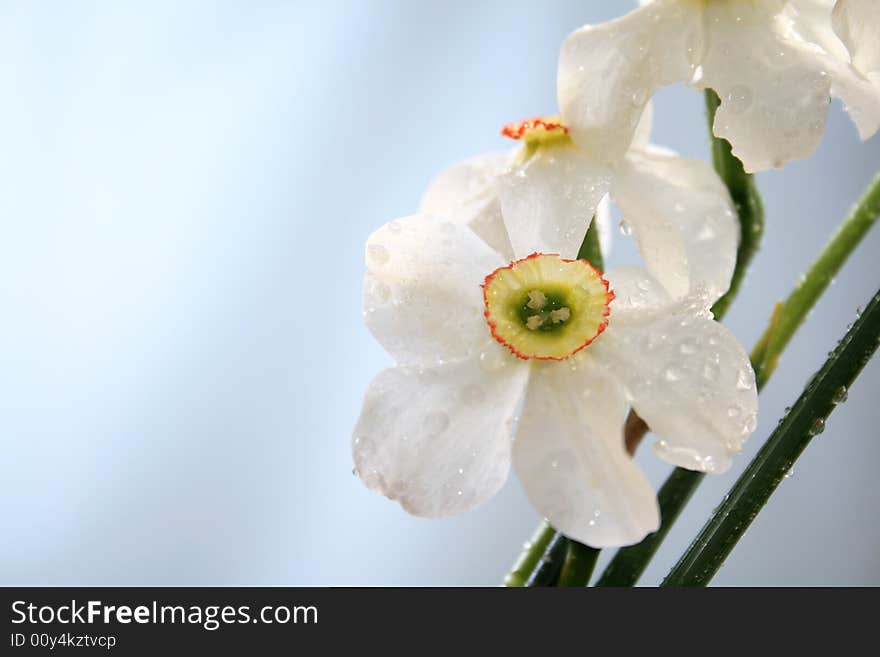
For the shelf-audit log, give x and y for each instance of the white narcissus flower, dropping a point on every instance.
(676, 208)
(496, 339)
(774, 64)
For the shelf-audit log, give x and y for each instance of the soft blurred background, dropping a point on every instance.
(185, 190)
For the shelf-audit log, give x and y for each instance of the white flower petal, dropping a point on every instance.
(570, 456)
(422, 295)
(466, 192)
(682, 218)
(437, 439)
(811, 20)
(464, 182)
(604, 225)
(642, 136)
(689, 378)
(857, 23)
(773, 89)
(549, 201)
(608, 72)
(635, 294)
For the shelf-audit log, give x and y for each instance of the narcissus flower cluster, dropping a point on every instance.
(511, 350)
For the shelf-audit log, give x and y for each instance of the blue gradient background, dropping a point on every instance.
(185, 190)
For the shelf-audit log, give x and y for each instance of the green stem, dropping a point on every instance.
(789, 315)
(580, 560)
(547, 570)
(746, 200)
(590, 249)
(530, 556)
(805, 420)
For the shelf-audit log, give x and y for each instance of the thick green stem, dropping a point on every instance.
(789, 315)
(546, 572)
(530, 556)
(580, 560)
(805, 420)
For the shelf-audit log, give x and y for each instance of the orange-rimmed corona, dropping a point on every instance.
(545, 307)
(537, 131)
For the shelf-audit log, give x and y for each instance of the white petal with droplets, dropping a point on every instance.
(570, 456)
(608, 72)
(688, 377)
(773, 87)
(422, 295)
(636, 294)
(857, 24)
(682, 218)
(549, 201)
(437, 439)
(467, 192)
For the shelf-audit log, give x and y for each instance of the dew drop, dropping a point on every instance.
(840, 395)
(711, 371)
(790, 473)
(734, 411)
(817, 427)
(672, 374)
(377, 253)
(492, 361)
(638, 97)
(380, 291)
(687, 348)
(706, 233)
(739, 99)
(436, 422)
(625, 228)
(743, 381)
(472, 394)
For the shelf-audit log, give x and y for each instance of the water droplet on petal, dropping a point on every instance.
(377, 253)
(472, 394)
(672, 374)
(739, 99)
(711, 371)
(436, 422)
(688, 347)
(625, 228)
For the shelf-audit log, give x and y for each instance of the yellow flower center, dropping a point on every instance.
(546, 307)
